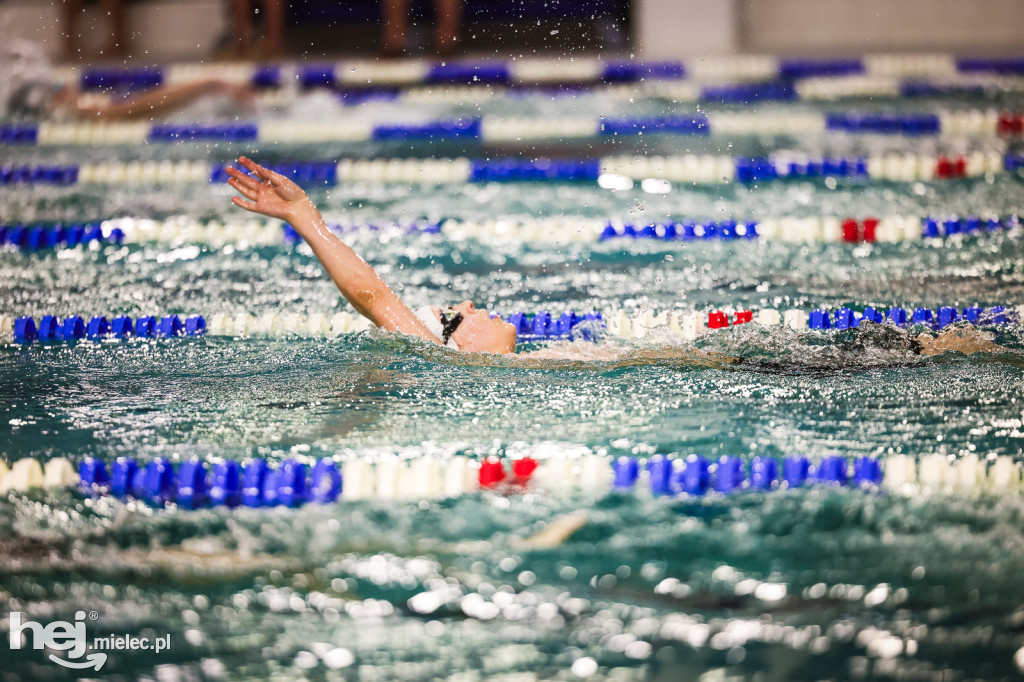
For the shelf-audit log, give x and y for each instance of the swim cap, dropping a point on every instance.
(431, 318)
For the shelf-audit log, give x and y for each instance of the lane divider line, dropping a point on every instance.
(196, 483)
(541, 325)
(612, 173)
(941, 122)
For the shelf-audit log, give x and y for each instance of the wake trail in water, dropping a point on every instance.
(757, 349)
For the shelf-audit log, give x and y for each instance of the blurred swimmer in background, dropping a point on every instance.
(28, 91)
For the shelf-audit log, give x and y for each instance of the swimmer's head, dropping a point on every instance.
(479, 333)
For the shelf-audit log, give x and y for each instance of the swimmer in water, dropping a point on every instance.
(28, 91)
(463, 327)
(460, 327)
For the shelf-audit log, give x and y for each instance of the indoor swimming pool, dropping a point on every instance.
(672, 208)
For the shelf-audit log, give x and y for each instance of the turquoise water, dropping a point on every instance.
(804, 584)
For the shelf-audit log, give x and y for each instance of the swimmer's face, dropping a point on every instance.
(478, 333)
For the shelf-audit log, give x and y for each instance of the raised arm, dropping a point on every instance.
(276, 196)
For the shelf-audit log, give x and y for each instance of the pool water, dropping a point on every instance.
(821, 583)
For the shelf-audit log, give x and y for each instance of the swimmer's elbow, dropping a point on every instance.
(380, 305)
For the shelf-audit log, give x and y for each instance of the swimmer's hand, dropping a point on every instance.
(269, 193)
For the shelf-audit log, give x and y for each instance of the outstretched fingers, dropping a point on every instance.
(245, 190)
(259, 170)
(264, 173)
(247, 205)
(242, 178)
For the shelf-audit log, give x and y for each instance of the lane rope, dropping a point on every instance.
(258, 483)
(540, 325)
(556, 229)
(581, 70)
(963, 122)
(655, 173)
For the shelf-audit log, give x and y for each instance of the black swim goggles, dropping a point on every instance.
(450, 321)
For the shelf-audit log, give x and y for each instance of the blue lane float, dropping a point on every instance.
(121, 327)
(317, 76)
(98, 327)
(73, 328)
(695, 475)
(49, 329)
(195, 484)
(226, 484)
(155, 482)
(884, 123)
(532, 170)
(685, 230)
(753, 170)
(324, 482)
(764, 472)
(121, 79)
(625, 472)
(794, 69)
(267, 76)
(795, 471)
(352, 97)
(749, 93)
(939, 228)
(845, 318)
(833, 470)
(19, 133)
(61, 176)
(25, 330)
(631, 71)
(268, 493)
(291, 483)
(1006, 65)
(254, 479)
(1013, 162)
(462, 128)
(122, 473)
(694, 124)
(659, 474)
(541, 325)
(729, 476)
(225, 132)
(145, 327)
(457, 73)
